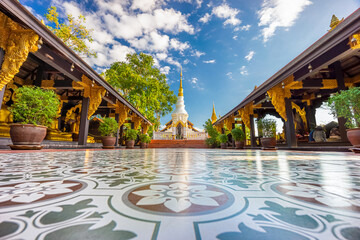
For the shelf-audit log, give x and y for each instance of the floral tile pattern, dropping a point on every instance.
(179, 194)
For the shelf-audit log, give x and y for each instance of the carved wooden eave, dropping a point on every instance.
(17, 43)
(123, 111)
(94, 92)
(145, 127)
(354, 41)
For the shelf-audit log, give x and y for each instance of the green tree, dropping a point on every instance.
(142, 84)
(73, 33)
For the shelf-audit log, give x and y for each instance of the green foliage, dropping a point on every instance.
(34, 105)
(212, 142)
(73, 33)
(148, 139)
(131, 134)
(223, 138)
(238, 134)
(268, 127)
(213, 134)
(108, 127)
(347, 104)
(144, 138)
(142, 84)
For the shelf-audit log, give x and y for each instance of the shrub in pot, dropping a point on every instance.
(212, 140)
(34, 109)
(347, 104)
(108, 128)
(239, 137)
(223, 138)
(268, 140)
(130, 136)
(148, 140)
(143, 140)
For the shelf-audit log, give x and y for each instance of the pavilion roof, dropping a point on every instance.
(329, 48)
(55, 53)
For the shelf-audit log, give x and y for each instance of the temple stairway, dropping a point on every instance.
(177, 144)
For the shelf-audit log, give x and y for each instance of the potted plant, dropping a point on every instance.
(239, 137)
(268, 126)
(223, 138)
(34, 109)
(212, 140)
(130, 136)
(148, 140)
(108, 128)
(347, 104)
(143, 140)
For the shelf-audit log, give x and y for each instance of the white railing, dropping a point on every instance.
(196, 136)
(189, 136)
(162, 136)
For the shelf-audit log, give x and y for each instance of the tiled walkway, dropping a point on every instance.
(179, 194)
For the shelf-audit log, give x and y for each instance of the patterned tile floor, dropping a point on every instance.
(179, 194)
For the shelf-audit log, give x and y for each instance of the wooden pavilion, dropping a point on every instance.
(30, 54)
(329, 65)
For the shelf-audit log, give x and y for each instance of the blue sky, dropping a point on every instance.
(224, 47)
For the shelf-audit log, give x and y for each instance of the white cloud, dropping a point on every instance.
(210, 61)
(279, 13)
(229, 74)
(195, 83)
(139, 24)
(244, 71)
(179, 46)
(250, 55)
(186, 61)
(205, 18)
(171, 61)
(161, 56)
(146, 5)
(165, 70)
(154, 42)
(196, 53)
(235, 37)
(242, 28)
(224, 11)
(172, 21)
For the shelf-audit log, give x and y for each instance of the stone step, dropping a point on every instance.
(177, 144)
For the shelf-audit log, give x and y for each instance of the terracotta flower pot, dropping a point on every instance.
(223, 145)
(142, 145)
(130, 144)
(354, 136)
(239, 144)
(108, 142)
(268, 142)
(27, 136)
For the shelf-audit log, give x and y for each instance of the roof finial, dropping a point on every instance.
(334, 22)
(181, 88)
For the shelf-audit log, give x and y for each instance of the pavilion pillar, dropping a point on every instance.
(310, 116)
(118, 130)
(132, 125)
(243, 129)
(39, 76)
(339, 74)
(252, 131)
(121, 134)
(84, 122)
(2, 91)
(289, 125)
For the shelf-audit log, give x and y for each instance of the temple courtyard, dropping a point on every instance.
(179, 194)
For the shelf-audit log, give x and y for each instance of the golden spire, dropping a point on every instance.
(181, 88)
(213, 116)
(334, 22)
